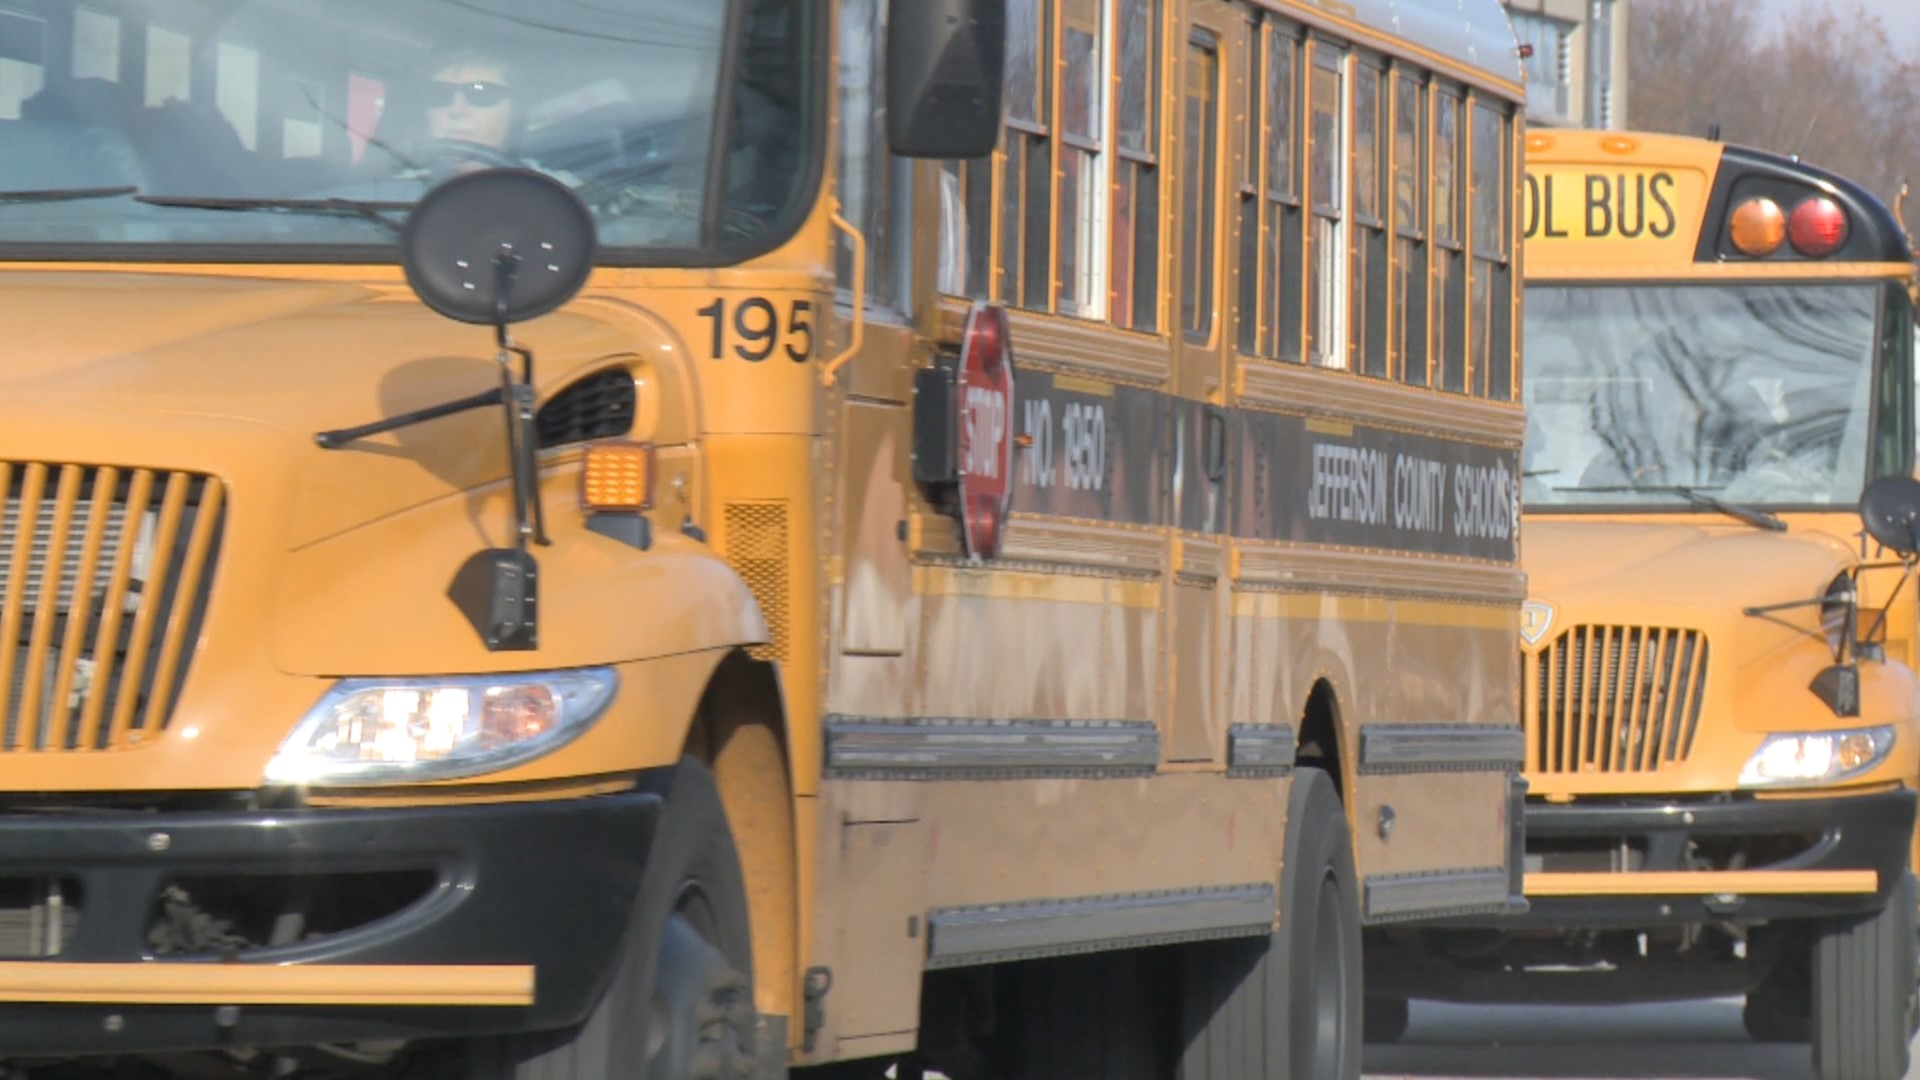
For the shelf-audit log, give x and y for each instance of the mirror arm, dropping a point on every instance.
(517, 397)
(339, 437)
(1785, 605)
(1881, 622)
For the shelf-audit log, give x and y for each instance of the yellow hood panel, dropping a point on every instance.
(293, 358)
(1604, 570)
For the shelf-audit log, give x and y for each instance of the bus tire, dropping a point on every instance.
(680, 1003)
(1318, 946)
(1863, 991)
(1288, 1004)
(1770, 1017)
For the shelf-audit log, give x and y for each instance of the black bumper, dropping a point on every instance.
(1864, 832)
(550, 884)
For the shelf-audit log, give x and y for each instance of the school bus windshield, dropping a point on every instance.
(229, 126)
(1759, 394)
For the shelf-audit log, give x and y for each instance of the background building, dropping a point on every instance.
(1577, 75)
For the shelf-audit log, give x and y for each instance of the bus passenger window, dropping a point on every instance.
(1247, 186)
(1449, 295)
(1026, 183)
(966, 227)
(1326, 328)
(1370, 325)
(1410, 224)
(1490, 324)
(1083, 161)
(1135, 290)
(1199, 224)
(1282, 294)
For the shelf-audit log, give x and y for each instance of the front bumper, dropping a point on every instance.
(515, 926)
(1635, 863)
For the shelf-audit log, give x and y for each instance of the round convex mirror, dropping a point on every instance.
(456, 235)
(1890, 509)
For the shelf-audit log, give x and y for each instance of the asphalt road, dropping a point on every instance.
(1692, 1041)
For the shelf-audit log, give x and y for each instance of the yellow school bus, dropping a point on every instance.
(676, 539)
(1719, 654)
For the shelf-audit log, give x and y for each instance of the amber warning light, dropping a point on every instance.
(617, 476)
(1758, 227)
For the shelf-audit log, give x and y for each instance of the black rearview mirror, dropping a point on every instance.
(945, 63)
(498, 246)
(1890, 510)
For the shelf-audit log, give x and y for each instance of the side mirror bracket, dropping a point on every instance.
(496, 247)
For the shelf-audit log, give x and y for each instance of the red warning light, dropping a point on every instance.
(1817, 227)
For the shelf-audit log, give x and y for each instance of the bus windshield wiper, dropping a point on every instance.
(45, 195)
(371, 211)
(1758, 518)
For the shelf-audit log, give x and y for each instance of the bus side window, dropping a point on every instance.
(1370, 325)
(874, 186)
(1135, 288)
(1247, 192)
(1491, 322)
(1026, 195)
(1410, 125)
(1083, 160)
(1449, 260)
(966, 224)
(1199, 223)
(1282, 295)
(1326, 187)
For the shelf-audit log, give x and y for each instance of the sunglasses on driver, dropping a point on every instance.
(478, 95)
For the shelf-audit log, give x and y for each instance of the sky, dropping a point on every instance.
(1900, 17)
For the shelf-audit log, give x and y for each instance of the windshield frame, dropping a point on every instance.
(1888, 290)
(813, 49)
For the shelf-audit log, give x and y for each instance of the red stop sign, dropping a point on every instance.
(986, 430)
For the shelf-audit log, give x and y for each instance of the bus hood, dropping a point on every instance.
(122, 356)
(1629, 572)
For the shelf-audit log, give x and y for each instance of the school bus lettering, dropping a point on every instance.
(1349, 484)
(986, 429)
(1084, 433)
(1602, 205)
(1036, 462)
(1419, 487)
(756, 325)
(1363, 485)
(1482, 502)
(1660, 187)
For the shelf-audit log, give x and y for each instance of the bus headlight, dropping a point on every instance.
(1816, 757)
(398, 731)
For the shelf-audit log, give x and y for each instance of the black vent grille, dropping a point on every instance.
(600, 406)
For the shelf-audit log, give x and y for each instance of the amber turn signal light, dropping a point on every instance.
(617, 476)
(1758, 227)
